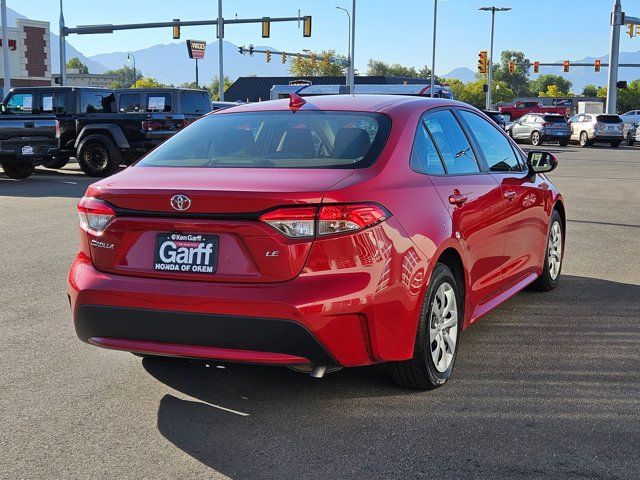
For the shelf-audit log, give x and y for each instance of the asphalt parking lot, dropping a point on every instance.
(547, 386)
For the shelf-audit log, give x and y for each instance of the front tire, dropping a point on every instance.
(437, 337)
(98, 156)
(630, 142)
(550, 276)
(18, 171)
(536, 139)
(584, 140)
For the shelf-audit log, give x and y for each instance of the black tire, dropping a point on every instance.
(546, 281)
(564, 143)
(18, 171)
(615, 144)
(420, 372)
(58, 161)
(536, 138)
(98, 156)
(584, 140)
(630, 143)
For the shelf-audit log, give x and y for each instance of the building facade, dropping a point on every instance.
(29, 54)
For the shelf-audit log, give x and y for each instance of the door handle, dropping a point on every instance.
(457, 198)
(509, 194)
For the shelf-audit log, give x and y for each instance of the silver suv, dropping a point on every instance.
(539, 127)
(590, 128)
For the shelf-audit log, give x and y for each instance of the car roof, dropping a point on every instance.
(357, 103)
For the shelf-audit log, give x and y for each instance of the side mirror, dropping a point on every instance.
(541, 162)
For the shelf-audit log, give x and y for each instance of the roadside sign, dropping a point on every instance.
(301, 83)
(196, 48)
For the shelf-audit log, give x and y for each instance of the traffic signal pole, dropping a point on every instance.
(220, 26)
(617, 19)
(490, 71)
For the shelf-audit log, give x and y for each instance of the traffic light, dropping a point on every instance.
(284, 57)
(306, 26)
(565, 66)
(176, 30)
(482, 62)
(512, 66)
(536, 67)
(251, 50)
(266, 27)
(631, 30)
(597, 65)
(241, 50)
(268, 53)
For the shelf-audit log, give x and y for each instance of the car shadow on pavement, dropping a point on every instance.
(69, 182)
(547, 385)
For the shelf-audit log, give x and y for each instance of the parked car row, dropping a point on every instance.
(103, 128)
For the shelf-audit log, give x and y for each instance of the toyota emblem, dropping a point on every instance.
(180, 202)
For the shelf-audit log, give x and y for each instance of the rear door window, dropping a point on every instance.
(20, 103)
(424, 155)
(197, 103)
(130, 103)
(51, 102)
(451, 143)
(159, 102)
(97, 102)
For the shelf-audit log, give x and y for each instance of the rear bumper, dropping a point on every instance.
(14, 154)
(603, 137)
(316, 319)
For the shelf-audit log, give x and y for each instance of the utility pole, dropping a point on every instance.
(220, 53)
(493, 11)
(433, 53)
(63, 49)
(352, 62)
(5, 48)
(617, 19)
(349, 79)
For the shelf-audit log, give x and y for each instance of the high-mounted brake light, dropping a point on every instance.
(94, 215)
(300, 222)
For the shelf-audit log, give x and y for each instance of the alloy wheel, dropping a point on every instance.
(555, 250)
(96, 157)
(443, 327)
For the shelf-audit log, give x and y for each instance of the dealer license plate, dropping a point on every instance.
(186, 253)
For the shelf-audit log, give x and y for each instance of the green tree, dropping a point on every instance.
(125, 76)
(214, 87)
(383, 69)
(319, 65)
(473, 93)
(543, 82)
(192, 85)
(590, 91)
(457, 87)
(76, 64)
(554, 92)
(518, 82)
(147, 82)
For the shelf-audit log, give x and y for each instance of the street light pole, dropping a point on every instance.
(493, 11)
(63, 49)
(220, 54)
(352, 64)
(617, 18)
(433, 53)
(348, 48)
(5, 50)
(131, 56)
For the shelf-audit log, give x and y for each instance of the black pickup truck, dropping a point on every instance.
(104, 128)
(26, 142)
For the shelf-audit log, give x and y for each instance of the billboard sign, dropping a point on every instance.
(196, 48)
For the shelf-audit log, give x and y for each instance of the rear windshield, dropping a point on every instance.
(608, 119)
(281, 139)
(554, 119)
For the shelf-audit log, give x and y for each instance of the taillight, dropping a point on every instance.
(349, 217)
(292, 222)
(301, 222)
(599, 125)
(547, 124)
(151, 125)
(57, 129)
(94, 215)
(621, 127)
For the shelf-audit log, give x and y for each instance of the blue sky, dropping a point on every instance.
(389, 30)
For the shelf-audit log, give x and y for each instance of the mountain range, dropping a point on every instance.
(170, 64)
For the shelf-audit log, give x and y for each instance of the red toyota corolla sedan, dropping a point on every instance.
(333, 232)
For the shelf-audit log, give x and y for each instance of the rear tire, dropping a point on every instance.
(98, 156)
(58, 161)
(536, 139)
(584, 140)
(18, 171)
(564, 143)
(615, 144)
(439, 329)
(554, 251)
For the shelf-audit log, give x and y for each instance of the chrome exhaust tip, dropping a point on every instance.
(318, 371)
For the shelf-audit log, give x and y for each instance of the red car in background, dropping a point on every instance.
(520, 109)
(336, 232)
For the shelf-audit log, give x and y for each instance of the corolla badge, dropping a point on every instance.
(180, 202)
